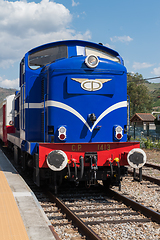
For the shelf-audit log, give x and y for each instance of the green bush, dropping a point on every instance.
(148, 143)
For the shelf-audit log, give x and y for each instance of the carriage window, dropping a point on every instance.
(46, 56)
(102, 54)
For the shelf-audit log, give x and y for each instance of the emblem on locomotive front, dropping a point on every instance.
(91, 84)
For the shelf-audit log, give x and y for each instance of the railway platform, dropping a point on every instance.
(21, 216)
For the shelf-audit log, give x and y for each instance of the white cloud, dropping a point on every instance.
(108, 45)
(24, 18)
(25, 25)
(138, 65)
(74, 3)
(5, 83)
(156, 71)
(121, 39)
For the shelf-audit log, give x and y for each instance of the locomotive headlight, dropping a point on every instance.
(57, 160)
(136, 158)
(91, 61)
(118, 132)
(62, 133)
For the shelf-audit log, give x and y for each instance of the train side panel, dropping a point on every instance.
(7, 118)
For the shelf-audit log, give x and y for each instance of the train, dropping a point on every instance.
(69, 121)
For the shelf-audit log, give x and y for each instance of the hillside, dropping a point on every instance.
(153, 86)
(154, 89)
(4, 92)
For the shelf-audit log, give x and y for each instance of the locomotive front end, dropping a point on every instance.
(71, 115)
(86, 115)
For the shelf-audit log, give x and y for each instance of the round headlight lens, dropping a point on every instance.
(62, 129)
(119, 129)
(91, 61)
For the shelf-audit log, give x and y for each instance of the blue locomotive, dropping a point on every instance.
(70, 115)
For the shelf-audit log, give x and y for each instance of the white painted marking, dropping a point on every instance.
(61, 105)
(22, 194)
(108, 110)
(67, 108)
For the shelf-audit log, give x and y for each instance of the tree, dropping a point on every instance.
(140, 99)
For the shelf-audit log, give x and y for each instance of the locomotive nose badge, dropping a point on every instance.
(91, 84)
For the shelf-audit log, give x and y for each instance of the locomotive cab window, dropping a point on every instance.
(46, 56)
(102, 54)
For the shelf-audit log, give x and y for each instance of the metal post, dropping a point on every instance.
(147, 129)
(134, 130)
(140, 174)
(134, 173)
(128, 118)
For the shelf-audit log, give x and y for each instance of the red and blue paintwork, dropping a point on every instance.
(61, 93)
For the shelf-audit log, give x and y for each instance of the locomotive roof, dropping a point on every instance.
(76, 43)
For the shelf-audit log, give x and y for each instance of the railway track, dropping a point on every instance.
(92, 212)
(152, 166)
(105, 216)
(151, 173)
(86, 220)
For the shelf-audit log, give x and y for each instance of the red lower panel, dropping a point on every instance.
(106, 151)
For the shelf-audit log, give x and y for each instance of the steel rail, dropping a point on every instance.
(155, 216)
(91, 235)
(54, 233)
(152, 166)
(148, 178)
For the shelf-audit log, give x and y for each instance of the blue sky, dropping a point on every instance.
(130, 27)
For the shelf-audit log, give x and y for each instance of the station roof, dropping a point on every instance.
(142, 117)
